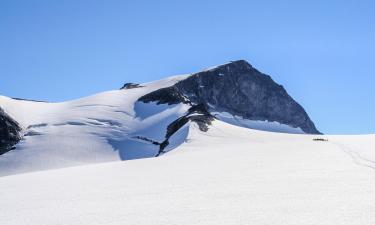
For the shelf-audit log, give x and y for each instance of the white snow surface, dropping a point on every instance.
(228, 175)
(100, 128)
(69, 168)
(97, 128)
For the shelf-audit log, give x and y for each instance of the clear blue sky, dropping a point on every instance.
(323, 52)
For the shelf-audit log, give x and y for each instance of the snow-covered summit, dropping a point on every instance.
(225, 167)
(145, 120)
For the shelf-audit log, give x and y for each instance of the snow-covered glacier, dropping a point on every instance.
(146, 120)
(223, 146)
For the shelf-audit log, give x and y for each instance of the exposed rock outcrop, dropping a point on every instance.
(239, 89)
(9, 132)
(197, 113)
(130, 86)
(168, 95)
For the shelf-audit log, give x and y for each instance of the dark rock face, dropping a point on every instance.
(168, 95)
(196, 113)
(241, 90)
(9, 132)
(130, 86)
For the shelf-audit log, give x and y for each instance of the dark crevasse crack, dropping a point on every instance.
(161, 145)
(37, 125)
(147, 140)
(28, 100)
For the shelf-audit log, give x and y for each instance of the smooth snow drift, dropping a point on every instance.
(229, 175)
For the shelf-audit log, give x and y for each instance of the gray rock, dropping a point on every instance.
(241, 90)
(196, 113)
(9, 132)
(130, 86)
(169, 95)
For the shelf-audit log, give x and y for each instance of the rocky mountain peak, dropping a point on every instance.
(241, 90)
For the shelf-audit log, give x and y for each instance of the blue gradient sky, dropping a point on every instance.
(322, 52)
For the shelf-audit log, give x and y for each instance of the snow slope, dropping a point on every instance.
(108, 126)
(228, 175)
(97, 128)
